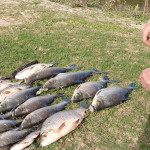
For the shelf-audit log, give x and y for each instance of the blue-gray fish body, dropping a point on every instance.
(18, 98)
(111, 96)
(71, 78)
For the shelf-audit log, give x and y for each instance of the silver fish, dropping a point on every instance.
(66, 79)
(60, 124)
(11, 90)
(47, 73)
(41, 114)
(13, 136)
(29, 139)
(89, 89)
(18, 98)
(25, 73)
(35, 103)
(111, 96)
(6, 125)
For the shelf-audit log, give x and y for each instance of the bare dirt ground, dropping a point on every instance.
(12, 12)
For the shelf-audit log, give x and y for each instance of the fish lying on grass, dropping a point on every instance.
(11, 90)
(89, 89)
(60, 124)
(35, 103)
(25, 73)
(13, 136)
(41, 114)
(18, 98)
(21, 68)
(67, 79)
(6, 125)
(28, 140)
(111, 96)
(47, 73)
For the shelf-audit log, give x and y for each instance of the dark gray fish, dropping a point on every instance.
(47, 73)
(18, 98)
(13, 136)
(111, 96)
(35, 103)
(21, 68)
(89, 89)
(67, 79)
(6, 125)
(41, 114)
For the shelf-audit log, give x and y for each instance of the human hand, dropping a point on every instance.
(146, 33)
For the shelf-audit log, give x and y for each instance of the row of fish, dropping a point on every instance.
(22, 101)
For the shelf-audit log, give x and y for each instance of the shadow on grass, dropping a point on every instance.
(144, 139)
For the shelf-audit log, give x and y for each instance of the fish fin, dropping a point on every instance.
(61, 127)
(73, 66)
(5, 77)
(97, 71)
(65, 99)
(132, 86)
(20, 81)
(52, 63)
(125, 99)
(41, 91)
(79, 81)
(60, 94)
(83, 104)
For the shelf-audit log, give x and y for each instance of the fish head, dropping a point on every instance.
(77, 96)
(44, 141)
(96, 105)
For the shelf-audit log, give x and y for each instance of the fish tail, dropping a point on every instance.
(98, 72)
(132, 86)
(52, 63)
(83, 104)
(65, 99)
(60, 94)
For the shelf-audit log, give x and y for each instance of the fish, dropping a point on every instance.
(18, 98)
(13, 74)
(35, 103)
(25, 73)
(61, 124)
(71, 78)
(6, 125)
(11, 90)
(41, 114)
(13, 136)
(28, 140)
(47, 73)
(111, 96)
(89, 89)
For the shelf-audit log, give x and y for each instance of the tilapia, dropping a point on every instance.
(47, 73)
(66, 79)
(41, 114)
(18, 98)
(13, 136)
(60, 124)
(35, 103)
(111, 96)
(25, 73)
(29, 139)
(11, 90)
(21, 68)
(6, 125)
(89, 89)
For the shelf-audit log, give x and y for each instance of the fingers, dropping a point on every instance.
(146, 32)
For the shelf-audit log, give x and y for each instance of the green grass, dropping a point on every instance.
(72, 39)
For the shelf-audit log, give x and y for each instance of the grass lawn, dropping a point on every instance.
(51, 32)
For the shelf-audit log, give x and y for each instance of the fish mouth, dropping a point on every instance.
(92, 108)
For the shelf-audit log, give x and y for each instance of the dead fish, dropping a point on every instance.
(25, 73)
(111, 96)
(29, 139)
(13, 136)
(89, 89)
(6, 125)
(6, 116)
(66, 79)
(21, 68)
(18, 98)
(41, 114)
(47, 73)
(35, 103)
(11, 90)
(60, 124)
